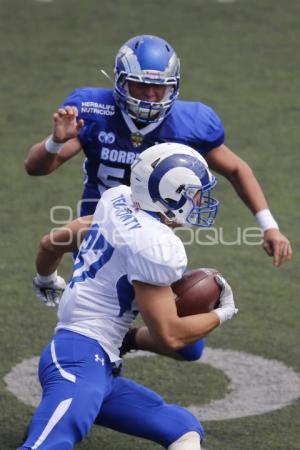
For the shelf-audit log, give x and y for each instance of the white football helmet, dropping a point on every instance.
(174, 179)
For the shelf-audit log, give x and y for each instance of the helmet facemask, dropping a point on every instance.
(196, 208)
(149, 112)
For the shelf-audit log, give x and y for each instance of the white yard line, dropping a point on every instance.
(256, 385)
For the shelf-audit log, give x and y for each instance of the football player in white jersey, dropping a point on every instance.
(126, 263)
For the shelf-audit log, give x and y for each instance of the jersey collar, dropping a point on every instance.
(134, 129)
(153, 214)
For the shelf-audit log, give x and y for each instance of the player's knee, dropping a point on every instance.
(190, 424)
(192, 352)
(189, 441)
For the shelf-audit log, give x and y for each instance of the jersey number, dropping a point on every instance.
(109, 176)
(94, 241)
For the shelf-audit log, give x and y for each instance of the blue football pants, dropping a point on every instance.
(79, 390)
(192, 352)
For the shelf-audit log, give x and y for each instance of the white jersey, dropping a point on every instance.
(122, 245)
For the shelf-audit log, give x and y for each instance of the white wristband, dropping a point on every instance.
(53, 147)
(46, 279)
(265, 220)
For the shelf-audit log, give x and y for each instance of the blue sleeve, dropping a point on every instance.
(197, 125)
(209, 130)
(215, 131)
(73, 99)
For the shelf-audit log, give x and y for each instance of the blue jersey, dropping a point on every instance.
(111, 141)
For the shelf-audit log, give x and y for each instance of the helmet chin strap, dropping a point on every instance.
(170, 223)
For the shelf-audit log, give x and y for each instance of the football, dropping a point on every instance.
(196, 292)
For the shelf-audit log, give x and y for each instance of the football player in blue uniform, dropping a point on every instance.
(113, 126)
(126, 263)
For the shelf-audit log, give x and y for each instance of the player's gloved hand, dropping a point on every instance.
(226, 309)
(49, 289)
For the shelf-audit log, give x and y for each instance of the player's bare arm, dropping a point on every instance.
(158, 309)
(141, 339)
(54, 245)
(47, 155)
(240, 175)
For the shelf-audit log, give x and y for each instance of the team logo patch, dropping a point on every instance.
(136, 139)
(106, 138)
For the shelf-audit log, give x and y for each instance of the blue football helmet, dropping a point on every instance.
(174, 179)
(151, 60)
